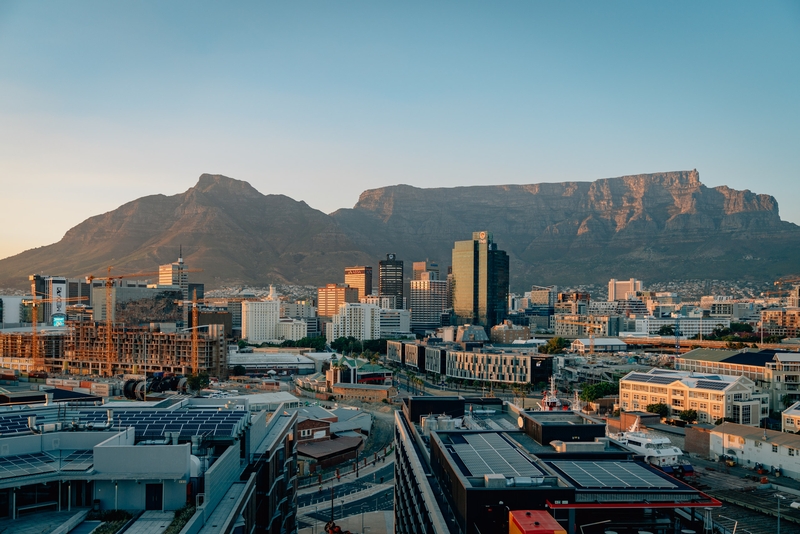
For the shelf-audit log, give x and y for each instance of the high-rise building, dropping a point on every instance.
(428, 301)
(330, 297)
(260, 318)
(480, 281)
(426, 266)
(390, 279)
(361, 321)
(618, 289)
(175, 274)
(360, 278)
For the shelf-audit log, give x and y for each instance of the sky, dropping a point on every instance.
(105, 102)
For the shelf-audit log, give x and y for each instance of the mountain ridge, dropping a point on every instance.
(660, 225)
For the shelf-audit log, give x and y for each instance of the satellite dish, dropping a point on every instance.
(520, 422)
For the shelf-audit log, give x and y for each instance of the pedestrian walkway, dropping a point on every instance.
(373, 523)
(364, 473)
(151, 522)
(39, 522)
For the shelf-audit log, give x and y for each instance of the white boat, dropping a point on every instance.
(657, 451)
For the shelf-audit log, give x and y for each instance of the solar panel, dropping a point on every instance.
(711, 384)
(490, 454)
(611, 475)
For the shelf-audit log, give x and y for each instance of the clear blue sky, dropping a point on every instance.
(104, 102)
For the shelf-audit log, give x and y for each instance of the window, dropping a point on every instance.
(791, 451)
(774, 448)
(306, 433)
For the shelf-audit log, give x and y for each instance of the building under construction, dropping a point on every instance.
(82, 348)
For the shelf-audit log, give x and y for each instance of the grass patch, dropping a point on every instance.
(113, 520)
(182, 516)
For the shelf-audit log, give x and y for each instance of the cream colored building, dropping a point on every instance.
(291, 329)
(714, 397)
(361, 321)
(260, 319)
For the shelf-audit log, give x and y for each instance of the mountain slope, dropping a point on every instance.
(654, 227)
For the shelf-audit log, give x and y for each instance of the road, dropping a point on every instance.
(383, 501)
(341, 489)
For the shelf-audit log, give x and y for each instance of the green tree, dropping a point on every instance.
(242, 343)
(666, 330)
(787, 401)
(592, 392)
(239, 370)
(197, 382)
(554, 345)
(660, 408)
(690, 416)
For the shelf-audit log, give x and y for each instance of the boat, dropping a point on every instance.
(550, 401)
(657, 451)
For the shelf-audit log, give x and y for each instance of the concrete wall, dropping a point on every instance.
(697, 441)
(221, 475)
(131, 494)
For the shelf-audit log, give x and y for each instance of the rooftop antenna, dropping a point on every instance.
(180, 253)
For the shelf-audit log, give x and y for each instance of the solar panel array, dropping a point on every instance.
(612, 475)
(14, 424)
(78, 461)
(653, 379)
(156, 424)
(27, 464)
(485, 454)
(712, 384)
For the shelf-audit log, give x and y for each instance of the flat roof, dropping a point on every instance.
(479, 454)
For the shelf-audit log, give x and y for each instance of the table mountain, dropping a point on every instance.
(654, 227)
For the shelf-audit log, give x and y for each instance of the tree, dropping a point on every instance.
(554, 345)
(666, 330)
(242, 343)
(239, 370)
(197, 382)
(660, 408)
(592, 392)
(786, 400)
(690, 416)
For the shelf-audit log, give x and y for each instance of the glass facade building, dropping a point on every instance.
(390, 279)
(480, 281)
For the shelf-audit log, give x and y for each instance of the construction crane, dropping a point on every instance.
(108, 282)
(590, 327)
(38, 361)
(195, 319)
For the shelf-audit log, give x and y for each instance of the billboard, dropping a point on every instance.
(58, 296)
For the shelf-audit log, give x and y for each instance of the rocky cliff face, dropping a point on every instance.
(653, 227)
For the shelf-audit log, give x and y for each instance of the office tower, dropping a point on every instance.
(175, 274)
(480, 281)
(428, 301)
(390, 279)
(330, 297)
(426, 266)
(617, 289)
(543, 296)
(360, 278)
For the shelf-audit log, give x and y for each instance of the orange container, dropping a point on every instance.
(533, 522)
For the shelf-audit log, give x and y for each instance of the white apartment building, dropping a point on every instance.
(688, 326)
(260, 318)
(361, 321)
(749, 446)
(291, 329)
(393, 322)
(298, 309)
(714, 397)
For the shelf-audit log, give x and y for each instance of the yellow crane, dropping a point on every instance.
(38, 360)
(590, 327)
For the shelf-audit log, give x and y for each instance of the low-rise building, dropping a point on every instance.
(598, 344)
(714, 397)
(750, 446)
(506, 333)
(363, 392)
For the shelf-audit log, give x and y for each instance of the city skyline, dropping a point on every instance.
(105, 103)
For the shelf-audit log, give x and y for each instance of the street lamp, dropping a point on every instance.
(780, 498)
(736, 523)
